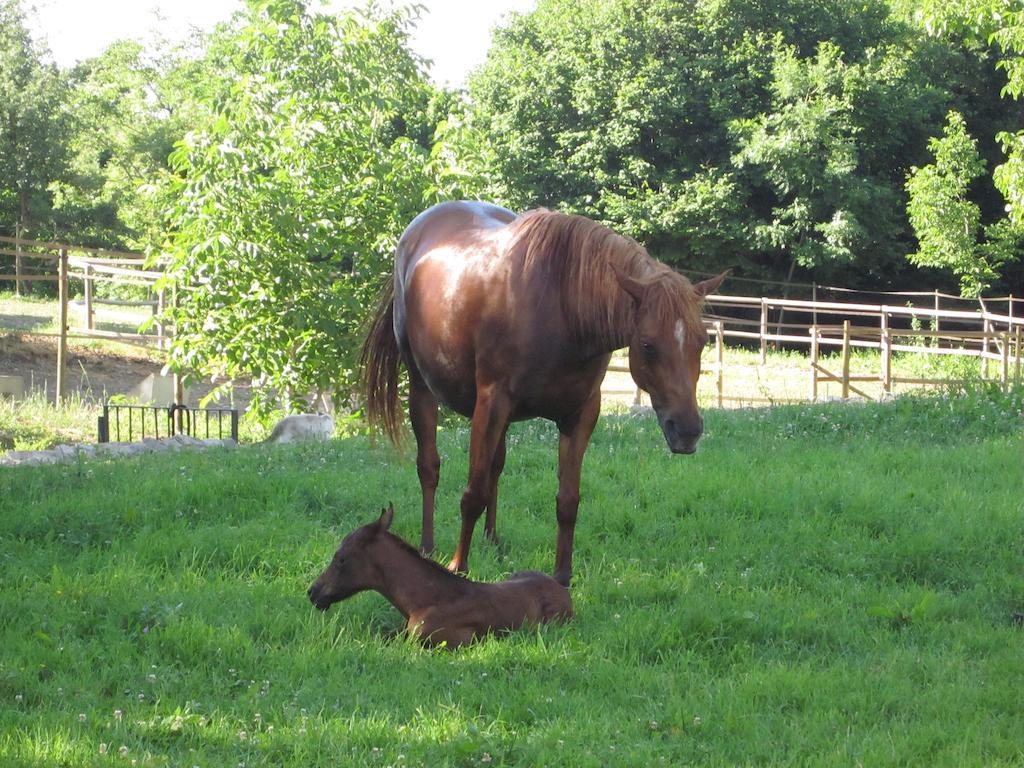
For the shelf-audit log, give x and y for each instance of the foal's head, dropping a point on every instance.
(353, 567)
(665, 349)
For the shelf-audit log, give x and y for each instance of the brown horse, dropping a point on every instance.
(439, 607)
(504, 318)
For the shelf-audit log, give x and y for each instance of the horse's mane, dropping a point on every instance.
(578, 256)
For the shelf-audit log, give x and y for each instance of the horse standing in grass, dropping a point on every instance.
(439, 607)
(503, 318)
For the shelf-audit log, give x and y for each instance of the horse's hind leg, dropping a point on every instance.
(491, 521)
(423, 415)
(490, 420)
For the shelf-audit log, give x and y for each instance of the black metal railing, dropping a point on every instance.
(126, 423)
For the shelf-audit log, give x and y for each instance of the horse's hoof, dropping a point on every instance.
(456, 567)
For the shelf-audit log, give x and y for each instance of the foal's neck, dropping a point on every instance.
(411, 582)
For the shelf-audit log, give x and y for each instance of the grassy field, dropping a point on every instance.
(818, 585)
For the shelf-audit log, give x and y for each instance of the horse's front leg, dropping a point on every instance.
(423, 415)
(574, 435)
(490, 419)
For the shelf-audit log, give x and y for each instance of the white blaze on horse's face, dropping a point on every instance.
(680, 333)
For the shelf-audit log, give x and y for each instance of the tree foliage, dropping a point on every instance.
(128, 108)
(289, 201)
(947, 223)
(33, 127)
(765, 136)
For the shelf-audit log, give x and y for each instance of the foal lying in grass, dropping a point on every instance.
(439, 607)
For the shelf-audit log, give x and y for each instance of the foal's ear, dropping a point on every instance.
(386, 516)
(707, 287)
(629, 284)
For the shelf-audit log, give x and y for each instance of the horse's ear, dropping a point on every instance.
(386, 516)
(629, 284)
(707, 287)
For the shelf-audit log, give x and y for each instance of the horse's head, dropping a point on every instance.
(352, 569)
(665, 349)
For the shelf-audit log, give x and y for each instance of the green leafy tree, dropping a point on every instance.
(1009, 177)
(32, 127)
(290, 199)
(995, 28)
(946, 221)
(764, 136)
(128, 108)
(807, 154)
(607, 108)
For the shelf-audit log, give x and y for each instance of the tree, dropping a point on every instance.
(997, 28)
(128, 108)
(1009, 177)
(807, 155)
(32, 125)
(764, 136)
(947, 223)
(291, 197)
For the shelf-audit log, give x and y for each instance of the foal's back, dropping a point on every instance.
(528, 597)
(537, 594)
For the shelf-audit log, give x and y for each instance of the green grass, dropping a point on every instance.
(818, 585)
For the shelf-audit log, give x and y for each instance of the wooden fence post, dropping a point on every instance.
(846, 359)
(1004, 374)
(814, 299)
(987, 328)
(160, 330)
(18, 265)
(89, 311)
(1017, 349)
(886, 355)
(814, 363)
(763, 331)
(719, 361)
(62, 345)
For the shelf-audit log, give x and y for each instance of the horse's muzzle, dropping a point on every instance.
(316, 598)
(682, 436)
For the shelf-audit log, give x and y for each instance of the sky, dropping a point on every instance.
(453, 34)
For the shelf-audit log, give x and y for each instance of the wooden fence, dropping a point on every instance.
(992, 337)
(974, 329)
(37, 261)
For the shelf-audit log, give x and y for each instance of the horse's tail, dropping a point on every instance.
(380, 359)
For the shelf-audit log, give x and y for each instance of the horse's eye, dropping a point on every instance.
(648, 348)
